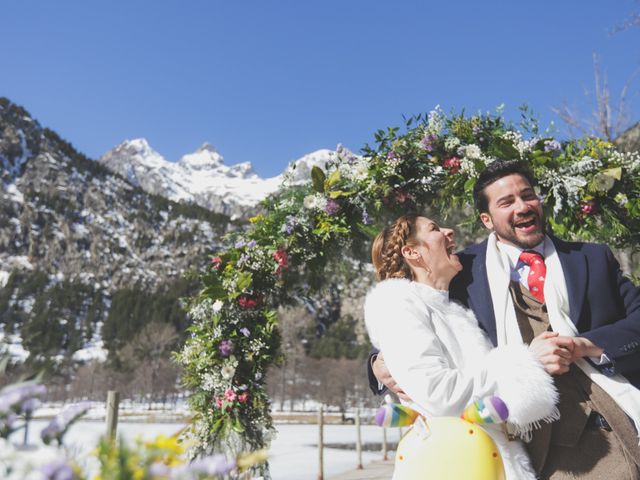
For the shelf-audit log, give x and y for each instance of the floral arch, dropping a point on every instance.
(591, 191)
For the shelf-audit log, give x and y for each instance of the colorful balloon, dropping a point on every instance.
(447, 448)
(395, 415)
(486, 410)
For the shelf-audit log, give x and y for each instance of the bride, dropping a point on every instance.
(434, 348)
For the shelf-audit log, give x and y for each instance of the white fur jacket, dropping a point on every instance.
(441, 358)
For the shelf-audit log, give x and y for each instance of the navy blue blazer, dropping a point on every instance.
(604, 304)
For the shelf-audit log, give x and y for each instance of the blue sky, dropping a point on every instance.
(268, 81)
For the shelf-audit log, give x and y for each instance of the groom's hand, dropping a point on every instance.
(585, 348)
(383, 375)
(554, 352)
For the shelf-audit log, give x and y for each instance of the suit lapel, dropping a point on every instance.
(480, 294)
(574, 267)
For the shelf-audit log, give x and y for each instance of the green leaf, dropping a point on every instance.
(332, 180)
(468, 185)
(244, 280)
(339, 193)
(369, 230)
(318, 177)
(213, 288)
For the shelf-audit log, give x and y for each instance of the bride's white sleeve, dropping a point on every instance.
(401, 326)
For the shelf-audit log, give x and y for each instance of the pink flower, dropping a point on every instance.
(230, 395)
(216, 262)
(588, 207)
(402, 197)
(247, 302)
(219, 402)
(243, 397)
(453, 164)
(282, 259)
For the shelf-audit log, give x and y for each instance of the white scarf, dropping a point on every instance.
(556, 297)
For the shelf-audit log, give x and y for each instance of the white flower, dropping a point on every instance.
(585, 165)
(472, 152)
(435, 121)
(451, 143)
(356, 171)
(209, 382)
(227, 371)
(603, 182)
(468, 168)
(217, 306)
(519, 144)
(315, 201)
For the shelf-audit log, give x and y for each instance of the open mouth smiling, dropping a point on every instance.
(526, 225)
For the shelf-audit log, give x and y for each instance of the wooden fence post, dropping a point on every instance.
(113, 402)
(321, 443)
(359, 439)
(385, 455)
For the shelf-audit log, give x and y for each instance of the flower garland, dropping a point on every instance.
(590, 190)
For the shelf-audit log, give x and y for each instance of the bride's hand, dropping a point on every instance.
(383, 375)
(555, 352)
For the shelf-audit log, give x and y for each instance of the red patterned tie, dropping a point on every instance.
(537, 273)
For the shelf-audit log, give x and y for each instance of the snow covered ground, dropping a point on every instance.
(293, 454)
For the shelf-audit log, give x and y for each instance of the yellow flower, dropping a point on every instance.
(168, 444)
(246, 460)
(257, 218)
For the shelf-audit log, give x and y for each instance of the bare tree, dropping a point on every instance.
(606, 120)
(633, 20)
(148, 357)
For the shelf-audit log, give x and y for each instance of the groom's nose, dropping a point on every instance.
(521, 206)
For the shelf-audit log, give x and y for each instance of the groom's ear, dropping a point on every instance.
(485, 218)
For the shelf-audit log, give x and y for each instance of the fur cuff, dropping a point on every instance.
(524, 386)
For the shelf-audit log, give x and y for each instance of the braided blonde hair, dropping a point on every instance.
(386, 251)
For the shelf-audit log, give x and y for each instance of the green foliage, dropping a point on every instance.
(133, 308)
(339, 341)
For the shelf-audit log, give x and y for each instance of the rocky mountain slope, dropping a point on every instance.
(73, 235)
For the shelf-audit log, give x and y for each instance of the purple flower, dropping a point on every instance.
(12, 396)
(59, 425)
(552, 146)
(242, 260)
(159, 469)
(289, 224)
(240, 243)
(427, 142)
(7, 424)
(391, 156)
(29, 406)
(245, 331)
(252, 244)
(225, 348)
(332, 207)
(345, 154)
(365, 218)
(213, 465)
(57, 470)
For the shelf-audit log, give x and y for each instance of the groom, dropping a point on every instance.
(521, 284)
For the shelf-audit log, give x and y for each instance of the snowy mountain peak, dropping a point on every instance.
(138, 147)
(206, 157)
(203, 178)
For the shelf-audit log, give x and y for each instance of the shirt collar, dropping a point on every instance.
(513, 252)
